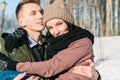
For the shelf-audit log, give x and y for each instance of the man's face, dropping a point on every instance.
(31, 17)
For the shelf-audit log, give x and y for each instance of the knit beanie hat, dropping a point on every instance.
(58, 10)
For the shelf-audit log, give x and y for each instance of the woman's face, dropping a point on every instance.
(57, 27)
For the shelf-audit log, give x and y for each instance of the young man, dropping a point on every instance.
(27, 42)
(30, 43)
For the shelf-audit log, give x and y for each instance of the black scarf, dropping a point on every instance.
(61, 42)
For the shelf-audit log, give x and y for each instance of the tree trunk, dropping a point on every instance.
(89, 15)
(93, 18)
(101, 29)
(108, 18)
(103, 14)
(81, 14)
(116, 16)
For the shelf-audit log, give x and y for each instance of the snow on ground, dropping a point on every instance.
(107, 57)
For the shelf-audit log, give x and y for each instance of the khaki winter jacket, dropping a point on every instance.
(21, 53)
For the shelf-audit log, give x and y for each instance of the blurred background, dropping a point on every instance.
(101, 17)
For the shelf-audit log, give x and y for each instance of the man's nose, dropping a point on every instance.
(40, 15)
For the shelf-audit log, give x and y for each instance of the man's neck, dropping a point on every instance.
(36, 36)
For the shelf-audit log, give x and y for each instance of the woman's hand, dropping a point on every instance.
(88, 71)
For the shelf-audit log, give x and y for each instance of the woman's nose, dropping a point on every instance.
(56, 31)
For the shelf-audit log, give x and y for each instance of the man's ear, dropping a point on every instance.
(21, 22)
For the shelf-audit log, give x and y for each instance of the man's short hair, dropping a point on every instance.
(19, 6)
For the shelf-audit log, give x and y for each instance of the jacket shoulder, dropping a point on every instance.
(2, 44)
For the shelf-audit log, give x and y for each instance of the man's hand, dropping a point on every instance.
(6, 63)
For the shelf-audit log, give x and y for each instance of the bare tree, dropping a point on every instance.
(88, 19)
(116, 16)
(85, 14)
(103, 15)
(109, 17)
(101, 29)
(81, 13)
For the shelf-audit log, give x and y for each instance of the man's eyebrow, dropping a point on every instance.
(41, 10)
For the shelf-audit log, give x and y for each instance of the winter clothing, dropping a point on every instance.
(78, 49)
(19, 48)
(15, 37)
(21, 52)
(58, 10)
(62, 42)
(9, 75)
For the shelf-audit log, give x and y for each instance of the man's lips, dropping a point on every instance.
(40, 23)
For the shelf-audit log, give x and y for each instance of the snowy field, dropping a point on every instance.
(107, 57)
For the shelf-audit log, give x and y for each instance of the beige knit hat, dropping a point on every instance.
(58, 10)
